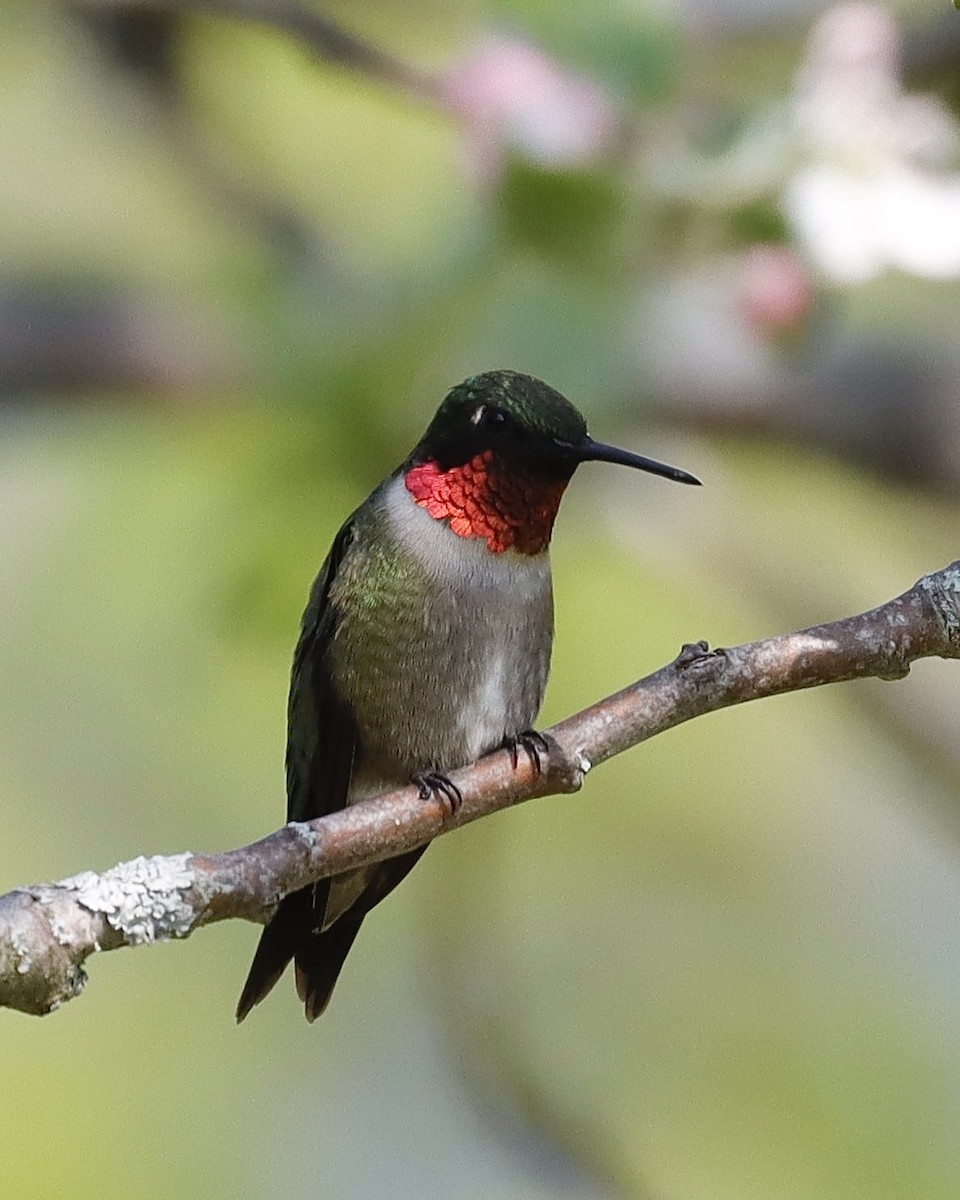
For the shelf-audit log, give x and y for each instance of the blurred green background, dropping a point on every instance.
(235, 280)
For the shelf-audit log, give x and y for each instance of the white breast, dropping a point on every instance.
(506, 602)
(482, 711)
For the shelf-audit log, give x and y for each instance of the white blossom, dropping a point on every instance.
(873, 188)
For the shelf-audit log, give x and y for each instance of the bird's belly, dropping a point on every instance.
(442, 731)
(489, 710)
(446, 704)
(453, 691)
(442, 647)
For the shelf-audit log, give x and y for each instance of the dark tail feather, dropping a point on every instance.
(278, 944)
(319, 958)
(294, 933)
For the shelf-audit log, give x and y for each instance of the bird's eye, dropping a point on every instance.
(493, 418)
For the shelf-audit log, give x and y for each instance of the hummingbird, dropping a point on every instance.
(426, 642)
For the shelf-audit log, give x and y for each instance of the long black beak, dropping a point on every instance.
(591, 451)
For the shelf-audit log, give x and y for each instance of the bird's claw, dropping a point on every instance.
(434, 785)
(535, 745)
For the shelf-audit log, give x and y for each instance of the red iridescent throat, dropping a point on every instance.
(483, 499)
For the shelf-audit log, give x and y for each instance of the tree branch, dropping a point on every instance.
(322, 37)
(48, 930)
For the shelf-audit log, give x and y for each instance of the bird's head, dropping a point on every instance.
(497, 455)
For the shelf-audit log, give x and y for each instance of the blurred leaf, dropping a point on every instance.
(638, 58)
(571, 216)
(759, 222)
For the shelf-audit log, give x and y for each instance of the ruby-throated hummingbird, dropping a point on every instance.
(426, 641)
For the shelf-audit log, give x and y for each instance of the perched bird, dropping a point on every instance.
(426, 641)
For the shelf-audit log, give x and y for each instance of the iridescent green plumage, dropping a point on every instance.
(420, 651)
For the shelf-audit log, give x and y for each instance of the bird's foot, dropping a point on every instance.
(435, 786)
(533, 743)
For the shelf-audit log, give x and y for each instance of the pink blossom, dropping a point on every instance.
(775, 290)
(515, 98)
